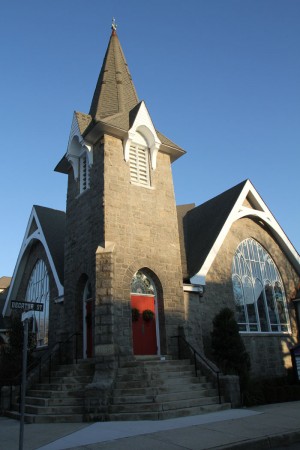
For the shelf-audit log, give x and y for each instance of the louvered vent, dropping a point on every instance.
(139, 164)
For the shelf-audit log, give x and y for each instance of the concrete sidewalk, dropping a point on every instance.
(262, 427)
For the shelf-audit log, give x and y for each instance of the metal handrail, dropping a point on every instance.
(203, 359)
(43, 359)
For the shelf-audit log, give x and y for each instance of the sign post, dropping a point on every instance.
(28, 309)
(23, 385)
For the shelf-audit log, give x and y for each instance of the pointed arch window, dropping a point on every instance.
(258, 290)
(38, 292)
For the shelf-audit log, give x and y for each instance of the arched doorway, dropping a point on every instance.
(144, 307)
(87, 326)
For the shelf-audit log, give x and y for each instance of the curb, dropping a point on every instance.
(263, 443)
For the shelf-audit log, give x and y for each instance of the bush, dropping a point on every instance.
(11, 354)
(228, 347)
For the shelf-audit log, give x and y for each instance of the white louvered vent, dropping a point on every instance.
(84, 173)
(139, 164)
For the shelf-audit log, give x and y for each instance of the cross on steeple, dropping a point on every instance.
(114, 25)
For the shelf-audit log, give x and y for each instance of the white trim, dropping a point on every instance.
(193, 288)
(18, 272)
(76, 147)
(239, 211)
(143, 125)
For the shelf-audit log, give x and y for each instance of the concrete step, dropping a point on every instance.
(146, 382)
(47, 393)
(60, 387)
(161, 389)
(76, 379)
(54, 410)
(159, 368)
(155, 362)
(170, 414)
(155, 375)
(57, 418)
(163, 397)
(162, 406)
(64, 401)
(73, 371)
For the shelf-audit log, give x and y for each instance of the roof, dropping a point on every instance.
(46, 225)
(53, 223)
(203, 224)
(4, 282)
(181, 212)
(115, 103)
(115, 91)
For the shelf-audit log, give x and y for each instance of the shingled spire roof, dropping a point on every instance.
(115, 92)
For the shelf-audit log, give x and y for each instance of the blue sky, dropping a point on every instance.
(221, 78)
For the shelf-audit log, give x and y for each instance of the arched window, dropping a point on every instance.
(258, 290)
(139, 161)
(142, 284)
(38, 292)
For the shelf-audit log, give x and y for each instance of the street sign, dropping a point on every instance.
(27, 306)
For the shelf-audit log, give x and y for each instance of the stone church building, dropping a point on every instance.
(127, 270)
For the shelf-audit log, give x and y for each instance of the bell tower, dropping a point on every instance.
(122, 238)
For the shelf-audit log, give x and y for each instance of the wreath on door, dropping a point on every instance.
(148, 315)
(135, 313)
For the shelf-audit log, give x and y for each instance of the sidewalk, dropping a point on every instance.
(262, 427)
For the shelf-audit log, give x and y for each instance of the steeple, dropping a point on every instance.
(115, 92)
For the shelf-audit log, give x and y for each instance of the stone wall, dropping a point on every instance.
(84, 233)
(269, 353)
(139, 225)
(142, 223)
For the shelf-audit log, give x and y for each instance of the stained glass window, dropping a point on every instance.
(258, 290)
(38, 291)
(142, 284)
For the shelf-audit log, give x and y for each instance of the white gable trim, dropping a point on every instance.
(76, 147)
(239, 211)
(21, 261)
(143, 125)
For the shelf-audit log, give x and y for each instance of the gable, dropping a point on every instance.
(47, 226)
(208, 225)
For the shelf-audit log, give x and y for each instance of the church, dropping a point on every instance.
(126, 270)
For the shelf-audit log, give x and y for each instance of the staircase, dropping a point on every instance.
(61, 400)
(149, 388)
(155, 389)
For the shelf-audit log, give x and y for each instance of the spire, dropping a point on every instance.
(115, 91)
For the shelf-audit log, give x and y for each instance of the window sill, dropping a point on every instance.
(141, 185)
(265, 333)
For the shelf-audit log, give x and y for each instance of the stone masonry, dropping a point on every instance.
(269, 354)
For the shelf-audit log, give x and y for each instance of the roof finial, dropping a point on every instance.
(114, 26)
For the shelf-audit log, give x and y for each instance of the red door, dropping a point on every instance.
(89, 328)
(144, 331)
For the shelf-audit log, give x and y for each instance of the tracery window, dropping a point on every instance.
(258, 290)
(38, 291)
(142, 284)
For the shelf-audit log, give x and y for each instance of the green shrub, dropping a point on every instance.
(228, 347)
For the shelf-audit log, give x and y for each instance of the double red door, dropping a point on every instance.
(144, 331)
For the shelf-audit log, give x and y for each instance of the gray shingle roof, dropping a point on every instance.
(181, 212)
(115, 91)
(53, 223)
(203, 224)
(4, 282)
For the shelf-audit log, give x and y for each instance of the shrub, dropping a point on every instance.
(228, 347)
